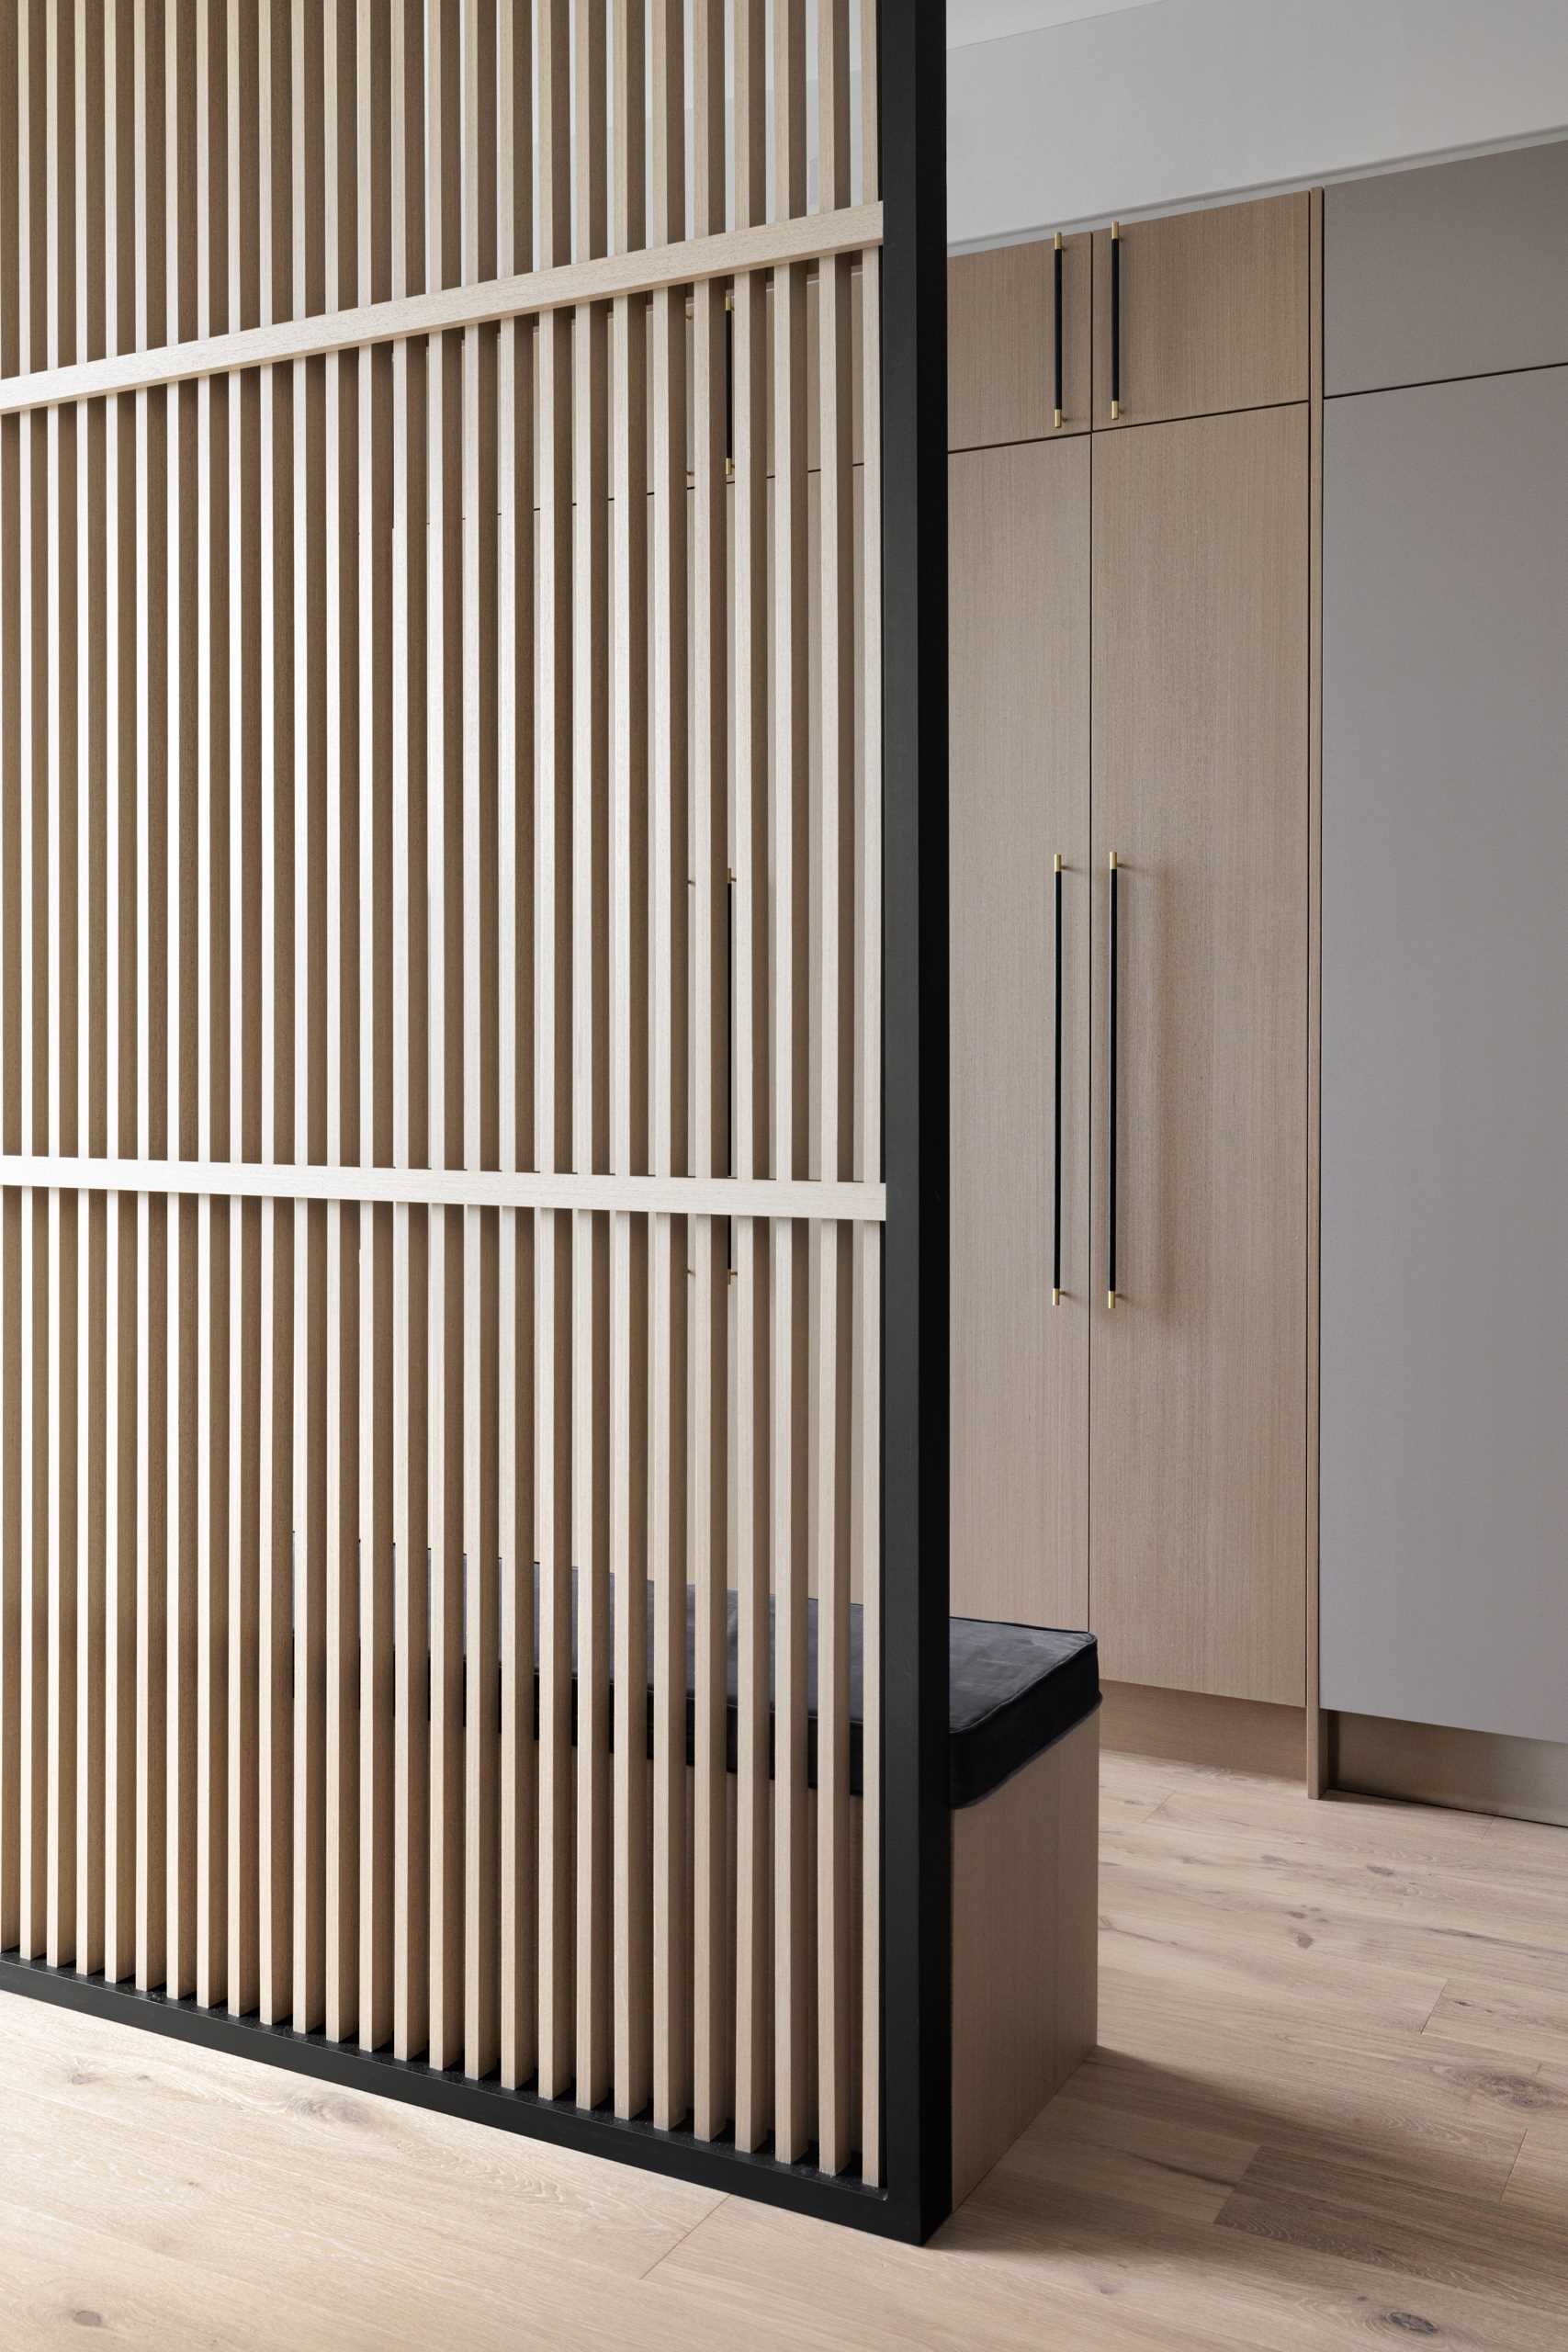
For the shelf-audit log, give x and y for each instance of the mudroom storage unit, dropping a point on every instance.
(1258, 708)
(1132, 771)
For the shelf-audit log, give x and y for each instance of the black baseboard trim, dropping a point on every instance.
(712, 2164)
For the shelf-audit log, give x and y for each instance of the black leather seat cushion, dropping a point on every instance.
(1012, 1689)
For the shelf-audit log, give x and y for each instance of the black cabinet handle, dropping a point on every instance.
(1115, 320)
(729, 386)
(1111, 1112)
(730, 1078)
(1056, 1116)
(1056, 306)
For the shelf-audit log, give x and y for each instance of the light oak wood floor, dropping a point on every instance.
(1330, 2109)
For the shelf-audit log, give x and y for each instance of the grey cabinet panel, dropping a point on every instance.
(1457, 269)
(1444, 1532)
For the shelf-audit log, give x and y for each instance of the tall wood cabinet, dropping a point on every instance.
(1130, 674)
(1198, 1378)
(1018, 526)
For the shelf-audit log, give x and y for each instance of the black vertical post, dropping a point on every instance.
(917, 1888)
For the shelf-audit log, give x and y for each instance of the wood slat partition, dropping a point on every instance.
(440, 1020)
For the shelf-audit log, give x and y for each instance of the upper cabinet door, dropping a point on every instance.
(1001, 343)
(1213, 312)
(1457, 269)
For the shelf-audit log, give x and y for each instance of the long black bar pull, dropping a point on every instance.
(1056, 309)
(1115, 320)
(729, 1051)
(729, 386)
(1057, 1115)
(1110, 1112)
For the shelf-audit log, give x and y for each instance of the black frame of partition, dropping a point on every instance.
(917, 2086)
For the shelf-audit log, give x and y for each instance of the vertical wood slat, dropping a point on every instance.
(791, 1999)
(122, 1407)
(278, 1359)
(832, 804)
(552, 1066)
(249, 417)
(348, 945)
(360, 1514)
(349, 1237)
(668, 923)
(10, 1206)
(753, 2018)
(59, 1765)
(33, 1774)
(590, 1239)
(63, 1529)
(182, 1270)
(212, 1563)
(281, 154)
(481, 1650)
(378, 1928)
(314, 458)
(515, 1373)
(34, 1210)
(866, 1476)
(709, 861)
(151, 1351)
(628, 1138)
(92, 1221)
(444, 1376)
(411, 1789)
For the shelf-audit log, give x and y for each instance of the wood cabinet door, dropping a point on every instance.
(1198, 1378)
(1001, 343)
(1213, 311)
(1019, 542)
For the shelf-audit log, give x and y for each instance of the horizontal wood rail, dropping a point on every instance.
(693, 260)
(718, 1196)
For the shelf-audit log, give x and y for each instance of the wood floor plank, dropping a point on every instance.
(1459, 2126)
(1269, 2152)
(1539, 2182)
(1511, 2019)
(1422, 2236)
(450, 2186)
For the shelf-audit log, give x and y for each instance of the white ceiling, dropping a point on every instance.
(976, 20)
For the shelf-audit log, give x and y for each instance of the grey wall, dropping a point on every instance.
(1458, 270)
(1161, 106)
(1445, 1055)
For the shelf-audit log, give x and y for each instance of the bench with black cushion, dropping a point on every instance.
(1023, 1782)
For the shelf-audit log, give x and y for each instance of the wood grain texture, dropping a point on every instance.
(369, 1064)
(782, 242)
(1001, 343)
(1020, 795)
(1198, 1433)
(1189, 1727)
(1271, 2163)
(1214, 312)
(1025, 1912)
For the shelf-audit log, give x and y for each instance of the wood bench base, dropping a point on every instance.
(1025, 1948)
